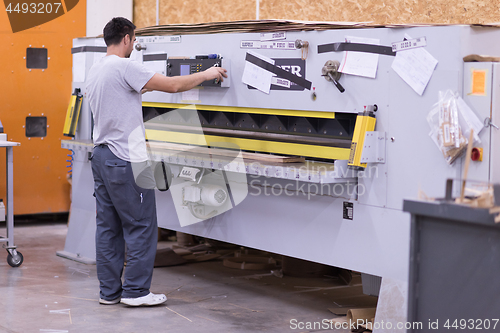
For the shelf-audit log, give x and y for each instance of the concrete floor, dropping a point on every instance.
(52, 294)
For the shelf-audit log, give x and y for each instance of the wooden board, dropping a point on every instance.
(144, 13)
(246, 26)
(194, 11)
(386, 12)
(225, 152)
(480, 58)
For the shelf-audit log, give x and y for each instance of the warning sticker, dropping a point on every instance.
(478, 82)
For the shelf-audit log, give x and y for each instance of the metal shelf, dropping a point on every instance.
(308, 171)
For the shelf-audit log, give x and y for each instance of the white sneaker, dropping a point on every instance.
(106, 302)
(148, 300)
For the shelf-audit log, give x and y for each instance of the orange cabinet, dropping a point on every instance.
(33, 105)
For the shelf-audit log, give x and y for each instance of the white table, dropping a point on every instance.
(14, 257)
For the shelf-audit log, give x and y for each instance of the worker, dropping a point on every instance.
(126, 212)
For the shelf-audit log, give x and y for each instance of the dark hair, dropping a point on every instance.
(116, 29)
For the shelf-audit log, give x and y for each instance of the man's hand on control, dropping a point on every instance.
(217, 73)
(175, 84)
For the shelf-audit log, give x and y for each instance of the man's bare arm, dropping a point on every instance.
(173, 84)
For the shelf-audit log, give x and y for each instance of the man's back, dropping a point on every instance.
(114, 90)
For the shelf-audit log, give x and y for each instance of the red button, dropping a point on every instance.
(477, 154)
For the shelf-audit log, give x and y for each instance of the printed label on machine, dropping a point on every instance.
(295, 66)
(409, 44)
(257, 44)
(280, 82)
(159, 39)
(348, 211)
(273, 36)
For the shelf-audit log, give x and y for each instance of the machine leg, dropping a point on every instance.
(14, 258)
(391, 307)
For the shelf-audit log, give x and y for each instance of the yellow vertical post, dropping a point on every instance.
(365, 122)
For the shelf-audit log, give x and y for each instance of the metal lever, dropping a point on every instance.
(336, 83)
(487, 122)
(331, 73)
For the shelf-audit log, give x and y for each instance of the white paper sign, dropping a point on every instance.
(191, 95)
(360, 63)
(256, 76)
(415, 67)
(79, 66)
(159, 66)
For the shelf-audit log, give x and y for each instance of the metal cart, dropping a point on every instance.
(14, 258)
(454, 268)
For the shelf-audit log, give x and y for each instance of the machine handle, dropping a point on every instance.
(336, 83)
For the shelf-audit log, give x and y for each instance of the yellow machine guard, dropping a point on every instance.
(365, 122)
(307, 150)
(72, 114)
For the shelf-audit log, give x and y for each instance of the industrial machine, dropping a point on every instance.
(363, 140)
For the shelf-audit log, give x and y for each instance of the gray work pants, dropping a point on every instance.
(126, 214)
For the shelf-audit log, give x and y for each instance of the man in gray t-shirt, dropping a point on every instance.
(114, 85)
(126, 212)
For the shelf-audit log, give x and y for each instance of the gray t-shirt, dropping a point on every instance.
(114, 91)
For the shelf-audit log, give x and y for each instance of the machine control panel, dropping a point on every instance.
(179, 67)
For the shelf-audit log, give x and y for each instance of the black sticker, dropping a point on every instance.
(348, 210)
(296, 66)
